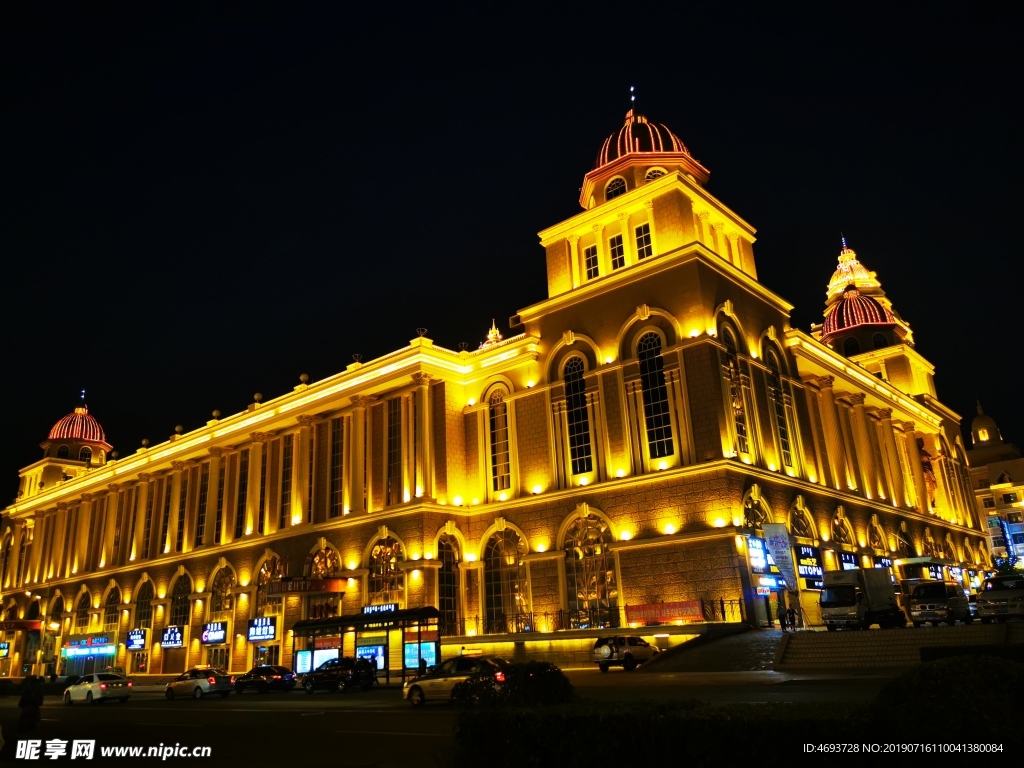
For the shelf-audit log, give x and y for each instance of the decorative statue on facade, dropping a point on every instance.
(930, 482)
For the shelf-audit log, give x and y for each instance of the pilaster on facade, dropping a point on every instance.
(82, 534)
(255, 491)
(892, 462)
(833, 436)
(55, 558)
(424, 481)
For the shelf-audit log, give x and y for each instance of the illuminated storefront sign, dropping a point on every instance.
(88, 645)
(5, 650)
(173, 637)
(306, 586)
(935, 572)
(372, 653)
(369, 610)
(809, 568)
(214, 633)
(956, 574)
(848, 561)
(138, 640)
(762, 564)
(883, 562)
(415, 651)
(263, 629)
(663, 613)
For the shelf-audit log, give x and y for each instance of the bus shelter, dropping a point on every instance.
(414, 633)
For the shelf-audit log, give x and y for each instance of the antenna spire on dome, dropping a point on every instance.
(843, 238)
(632, 96)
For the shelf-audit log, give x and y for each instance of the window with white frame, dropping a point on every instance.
(590, 262)
(577, 417)
(448, 555)
(501, 474)
(615, 188)
(505, 598)
(617, 252)
(657, 418)
(644, 249)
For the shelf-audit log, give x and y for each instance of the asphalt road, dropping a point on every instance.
(359, 730)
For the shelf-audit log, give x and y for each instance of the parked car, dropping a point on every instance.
(626, 651)
(937, 601)
(438, 682)
(972, 603)
(265, 678)
(340, 675)
(98, 687)
(1001, 598)
(199, 682)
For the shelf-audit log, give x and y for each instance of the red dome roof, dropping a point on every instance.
(638, 135)
(78, 426)
(854, 310)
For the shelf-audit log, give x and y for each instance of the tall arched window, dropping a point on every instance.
(266, 604)
(733, 379)
(657, 419)
(222, 595)
(57, 610)
(592, 591)
(501, 476)
(144, 606)
(7, 559)
(576, 414)
(111, 610)
(85, 455)
(779, 408)
(505, 600)
(448, 584)
(386, 582)
(181, 604)
(82, 613)
(615, 188)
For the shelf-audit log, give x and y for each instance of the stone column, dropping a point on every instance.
(138, 544)
(252, 499)
(892, 458)
(833, 435)
(55, 560)
(637, 426)
(424, 479)
(36, 551)
(83, 534)
(17, 534)
(916, 468)
(172, 520)
(602, 252)
(865, 455)
(107, 553)
(574, 259)
(628, 246)
(705, 232)
(360, 404)
(649, 205)
(300, 478)
(214, 493)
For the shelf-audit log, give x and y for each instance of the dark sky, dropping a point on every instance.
(198, 204)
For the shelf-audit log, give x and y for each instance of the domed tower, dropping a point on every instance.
(74, 445)
(984, 430)
(858, 315)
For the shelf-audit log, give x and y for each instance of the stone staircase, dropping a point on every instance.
(886, 648)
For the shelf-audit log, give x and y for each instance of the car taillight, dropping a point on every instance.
(275, 677)
(499, 677)
(211, 680)
(129, 684)
(232, 679)
(103, 686)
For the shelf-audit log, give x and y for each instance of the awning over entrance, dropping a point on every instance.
(336, 625)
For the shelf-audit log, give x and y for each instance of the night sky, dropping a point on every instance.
(198, 205)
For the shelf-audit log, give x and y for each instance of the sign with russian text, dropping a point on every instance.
(370, 610)
(848, 561)
(306, 586)
(173, 637)
(935, 572)
(777, 539)
(883, 562)
(214, 633)
(137, 640)
(808, 567)
(263, 629)
(663, 613)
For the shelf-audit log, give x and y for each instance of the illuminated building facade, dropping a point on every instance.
(997, 474)
(612, 462)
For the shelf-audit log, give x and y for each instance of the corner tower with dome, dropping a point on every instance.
(627, 452)
(75, 445)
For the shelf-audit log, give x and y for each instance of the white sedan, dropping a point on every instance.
(98, 687)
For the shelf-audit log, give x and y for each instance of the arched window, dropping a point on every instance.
(323, 563)
(592, 591)
(501, 478)
(656, 413)
(181, 604)
(851, 347)
(734, 380)
(57, 610)
(448, 584)
(7, 559)
(85, 455)
(879, 340)
(82, 613)
(222, 596)
(33, 610)
(111, 610)
(577, 417)
(144, 606)
(267, 605)
(654, 173)
(63, 452)
(615, 188)
(505, 583)
(386, 582)
(779, 408)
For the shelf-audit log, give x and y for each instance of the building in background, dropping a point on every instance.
(997, 476)
(613, 461)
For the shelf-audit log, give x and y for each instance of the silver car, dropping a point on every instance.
(437, 684)
(200, 682)
(98, 687)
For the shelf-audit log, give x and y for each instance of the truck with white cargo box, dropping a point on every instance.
(856, 599)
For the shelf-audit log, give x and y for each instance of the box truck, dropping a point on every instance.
(856, 599)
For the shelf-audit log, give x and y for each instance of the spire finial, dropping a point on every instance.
(83, 397)
(843, 238)
(632, 96)
(980, 412)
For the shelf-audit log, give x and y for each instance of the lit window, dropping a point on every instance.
(643, 241)
(500, 472)
(111, 612)
(655, 393)
(615, 188)
(983, 434)
(591, 589)
(448, 585)
(590, 261)
(386, 581)
(577, 417)
(617, 252)
(505, 583)
(222, 595)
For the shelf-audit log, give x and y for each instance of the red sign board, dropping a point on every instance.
(664, 613)
(306, 586)
(20, 625)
